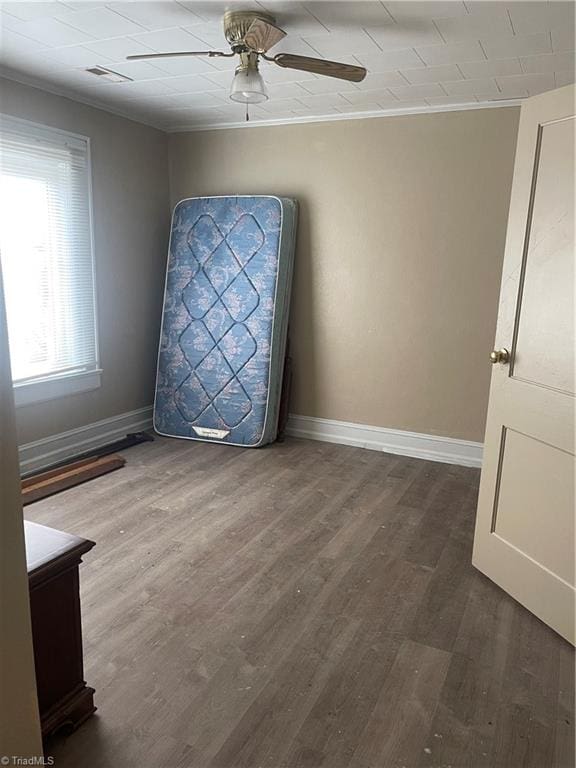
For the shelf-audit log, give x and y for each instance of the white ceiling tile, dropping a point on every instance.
(328, 85)
(168, 40)
(130, 89)
(380, 80)
(281, 90)
(281, 105)
(138, 70)
(7, 21)
(190, 65)
(194, 114)
(364, 107)
(563, 39)
(14, 43)
(203, 100)
(384, 62)
(432, 74)
(401, 9)
(29, 11)
(213, 10)
(564, 78)
(412, 92)
(183, 100)
(475, 26)
(294, 18)
(51, 32)
(392, 37)
(491, 68)
(530, 17)
(156, 15)
(374, 96)
(532, 84)
(211, 33)
(452, 54)
(189, 84)
(220, 63)
(117, 48)
(445, 101)
(82, 5)
(323, 100)
(337, 44)
(348, 15)
(547, 62)
(519, 45)
(482, 87)
(100, 22)
(293, 45)
(75, 56)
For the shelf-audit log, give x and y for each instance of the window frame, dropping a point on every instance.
(58, 385)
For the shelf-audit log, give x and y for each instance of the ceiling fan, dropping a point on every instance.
(250, 35)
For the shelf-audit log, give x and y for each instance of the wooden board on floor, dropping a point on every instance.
(56, 480)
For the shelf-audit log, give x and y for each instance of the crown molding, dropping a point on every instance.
(33, 82)
(422, 110)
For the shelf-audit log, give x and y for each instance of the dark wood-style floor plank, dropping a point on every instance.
(306, 605)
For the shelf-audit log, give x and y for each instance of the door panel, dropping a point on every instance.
(533, 502)
(546, 322)
(524, 539)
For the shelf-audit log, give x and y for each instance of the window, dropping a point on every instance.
(47, 262)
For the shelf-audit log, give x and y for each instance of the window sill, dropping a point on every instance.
(50, 389)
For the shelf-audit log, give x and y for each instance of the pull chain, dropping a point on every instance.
(247, 115)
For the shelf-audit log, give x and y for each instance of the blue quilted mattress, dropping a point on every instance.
(225, 319)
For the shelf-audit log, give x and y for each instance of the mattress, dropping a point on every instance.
(225, 319)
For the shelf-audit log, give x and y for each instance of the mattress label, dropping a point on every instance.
(207, 432)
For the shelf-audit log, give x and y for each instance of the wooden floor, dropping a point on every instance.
(302, 605)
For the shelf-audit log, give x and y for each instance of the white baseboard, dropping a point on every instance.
(444, 449)
(50, 450)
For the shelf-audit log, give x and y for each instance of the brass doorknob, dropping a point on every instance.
(499, 356)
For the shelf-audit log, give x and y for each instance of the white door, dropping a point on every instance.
(524, 538)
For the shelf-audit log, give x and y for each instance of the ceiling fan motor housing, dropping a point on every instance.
(237, 24)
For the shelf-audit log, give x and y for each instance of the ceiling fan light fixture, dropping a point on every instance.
(248, 86)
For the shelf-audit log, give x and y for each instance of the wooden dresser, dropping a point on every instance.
(53, 558)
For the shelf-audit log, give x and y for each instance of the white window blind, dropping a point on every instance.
(46, 251)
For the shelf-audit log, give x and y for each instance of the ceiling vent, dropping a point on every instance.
(108, 75)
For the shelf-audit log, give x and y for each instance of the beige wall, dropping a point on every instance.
(399, 255)
(131, 220)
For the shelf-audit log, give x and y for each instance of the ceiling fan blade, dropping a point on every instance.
(262, 36)
(320, 66)
(141, 56)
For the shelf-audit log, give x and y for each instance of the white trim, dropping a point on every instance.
(33, 82)
(423, 110)
(55, 90)
(50, 450)
(44, 130)
(57, 385)
(420, 446)
(41, 390)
